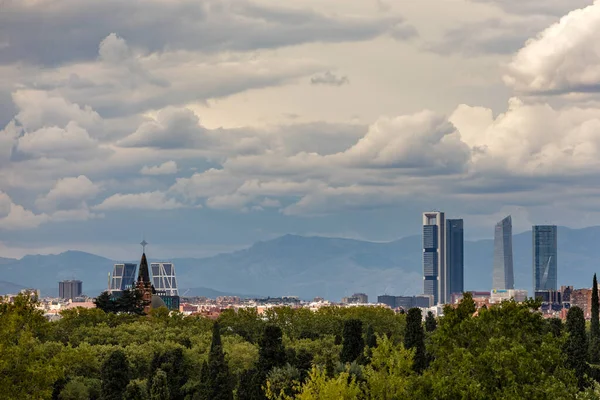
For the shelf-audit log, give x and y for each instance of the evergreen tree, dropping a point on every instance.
(555, 326)
(160, 389)
(115, 376)
(105, 303)
(271, 352)
(131, 302)
(217, 379)
(595, 325)
(371, 338)
(430, 322)
(251, 384)
(576, 346)
(353, 343)
(171, 362)
(414, 338)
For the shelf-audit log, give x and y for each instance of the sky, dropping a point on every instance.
(206, 126)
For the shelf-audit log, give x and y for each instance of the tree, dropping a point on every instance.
(595, 325)
(414, 338)
(105, 303)
(353, 343)
(115, 376)
(135, 390)
(160, 389)
(576, 346)
(216, 383)
(271, 352)
(131, 302)
(171, 362)
(75, 390)
(319, 386)
(430, 322)
(371, 337)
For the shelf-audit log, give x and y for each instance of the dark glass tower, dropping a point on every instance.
(434, 260)
(455, 263)
(503, 256)
(545, 249)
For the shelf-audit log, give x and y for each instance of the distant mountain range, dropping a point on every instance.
(314, 266)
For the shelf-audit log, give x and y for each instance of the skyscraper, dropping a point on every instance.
(123, 277)
(503, 256)
(545, 249)
(68, 290)
(434, 258)
(454, 256)
(163, 278)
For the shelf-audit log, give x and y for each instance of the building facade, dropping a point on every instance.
(455, 262)
(122, 277)
(503, 276)
(434, 257)
(70, 289)
(164, 279)
(545, 249)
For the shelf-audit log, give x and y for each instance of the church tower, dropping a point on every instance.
(144, 284)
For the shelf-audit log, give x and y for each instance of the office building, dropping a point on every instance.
(163, 278)
(455, 263)
(123, 277)
(499, 295)
(548, 296)
(545, 248)
(356, 298)
(70, 289)
(503, 277)
(434, 258)
(388, 300)
(443, 256)
(406, 302)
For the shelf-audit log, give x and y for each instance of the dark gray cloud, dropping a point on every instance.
(59, 32)
(328, 78)
(555, 8)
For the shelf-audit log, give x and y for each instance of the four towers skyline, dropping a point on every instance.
(443, 257)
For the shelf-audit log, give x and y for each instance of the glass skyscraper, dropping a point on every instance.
(503, 278)
(545, 248)
(434, 260)
(123, 277)
(455, 262)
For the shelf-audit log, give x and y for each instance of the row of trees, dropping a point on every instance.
(505, 351)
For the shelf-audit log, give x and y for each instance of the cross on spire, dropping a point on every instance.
(144, 243)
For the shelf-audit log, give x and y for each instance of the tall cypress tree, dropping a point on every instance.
(414, 338)
(576, 346)
(271, 352)
(115, 376)
(216, 376)
(430, 322)
(353, 343)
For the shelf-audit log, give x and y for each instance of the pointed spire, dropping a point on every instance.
(144, 274)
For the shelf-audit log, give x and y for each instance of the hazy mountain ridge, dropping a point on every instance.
(311, 266)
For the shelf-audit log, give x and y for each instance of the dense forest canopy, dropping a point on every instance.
(506, 351)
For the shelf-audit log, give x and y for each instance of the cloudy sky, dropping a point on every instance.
(208, 125)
